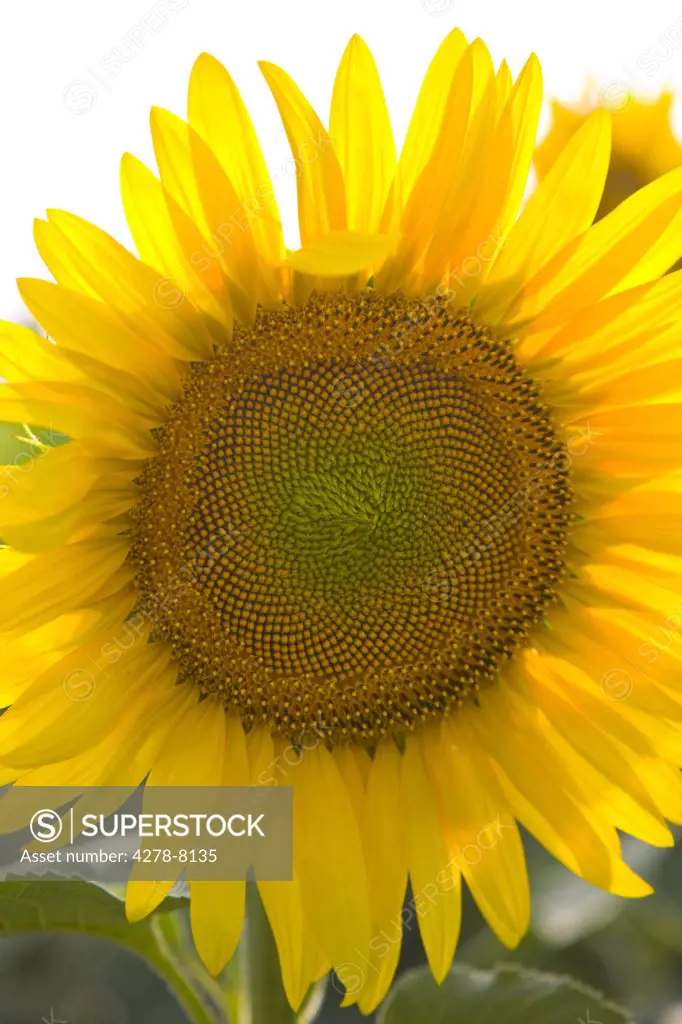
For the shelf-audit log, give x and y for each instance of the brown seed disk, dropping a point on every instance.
(359, 510)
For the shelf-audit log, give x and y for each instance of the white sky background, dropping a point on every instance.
(77, 79)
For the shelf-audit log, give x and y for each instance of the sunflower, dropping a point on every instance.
(392, 519)
(644, 146)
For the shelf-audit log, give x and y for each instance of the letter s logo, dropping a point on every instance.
(46, 826)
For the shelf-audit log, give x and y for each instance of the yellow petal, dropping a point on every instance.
(387, 873)
(546, 800)
(562, 207)
(342, 253)
(216, 111)
(504, 84)
(194, 752)
(55, 481)
(466, 166)
(81, 412)
(83, 703)
(488, 847)
(217, 918)
(596, 747)
(84, 258)
(321, 196)
(143, 898)
(601, 259)
(296, 944)
(81, 324)
(27, 654)
(437, 182)
(195, 179)
(58, 581)
(503, 176)
(329, 857)
(426, 121)
(103, 505)
(131, 756)
(192, 756)
(435, 878)
(168, 240)
(217, 908)
(26, 355)
(360, 129)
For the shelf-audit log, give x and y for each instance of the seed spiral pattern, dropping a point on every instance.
(358, 511)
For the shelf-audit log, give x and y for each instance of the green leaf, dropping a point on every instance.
(14, 449)
(83, 907)
(508, 993)
(14, 452)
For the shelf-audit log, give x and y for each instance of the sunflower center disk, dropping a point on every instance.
(357, 513)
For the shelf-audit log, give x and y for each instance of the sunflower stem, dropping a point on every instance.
(184, 975)
(256, 995)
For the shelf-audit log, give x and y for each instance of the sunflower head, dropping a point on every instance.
(375, 505)
(644, 144)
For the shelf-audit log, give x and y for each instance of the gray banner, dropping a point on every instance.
(153, 833)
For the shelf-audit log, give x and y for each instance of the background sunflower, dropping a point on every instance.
(644, 143)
